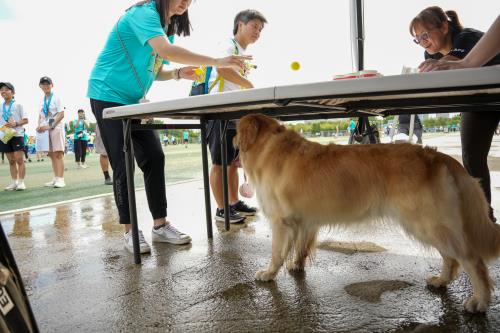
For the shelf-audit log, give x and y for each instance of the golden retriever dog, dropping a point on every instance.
(302, 186)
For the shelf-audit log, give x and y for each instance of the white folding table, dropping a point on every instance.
(465, 90)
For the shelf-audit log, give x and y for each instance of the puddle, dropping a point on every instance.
(240, 290)
(350, 247)
(372, 290)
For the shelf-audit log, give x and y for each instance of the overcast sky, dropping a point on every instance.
(62, 38)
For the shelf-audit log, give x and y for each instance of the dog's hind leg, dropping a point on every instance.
(481, 284)
(303, 247)
(449, 273)
(281, 242)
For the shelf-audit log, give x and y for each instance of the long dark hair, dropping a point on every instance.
(435, 17)
(177, 25)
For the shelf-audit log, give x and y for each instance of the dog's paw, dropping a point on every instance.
(475, 305)
(436, 282)
(295, 267)
(264, 275)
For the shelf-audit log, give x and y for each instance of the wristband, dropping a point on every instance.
(177, 75)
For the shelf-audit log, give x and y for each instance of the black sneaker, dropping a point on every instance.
(234, 217)
(244, 209)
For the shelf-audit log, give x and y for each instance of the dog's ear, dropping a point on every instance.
(248, 129)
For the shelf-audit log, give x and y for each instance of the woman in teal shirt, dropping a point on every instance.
(131, 60)
(80, 139)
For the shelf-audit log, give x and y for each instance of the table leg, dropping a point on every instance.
(225, 191)
(206, 184)
(128, 149)
(411, 129)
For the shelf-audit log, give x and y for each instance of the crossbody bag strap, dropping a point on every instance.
(220, 79)
(130, 61)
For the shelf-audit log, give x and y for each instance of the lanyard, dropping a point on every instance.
(46, 105)
(79, 124)
(5, 112)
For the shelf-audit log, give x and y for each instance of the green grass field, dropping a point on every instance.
(181, 164)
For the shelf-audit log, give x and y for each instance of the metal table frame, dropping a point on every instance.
(449, 91)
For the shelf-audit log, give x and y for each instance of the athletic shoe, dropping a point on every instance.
(12, 186)
(108, 181)
(129, 244)
(84, 166)
(169, 234)
(59, 183)
(244, 209)
(234, 217)
(51, 183)
(20, 186)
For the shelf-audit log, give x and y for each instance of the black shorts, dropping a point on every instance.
(14, 144)
(214, 143)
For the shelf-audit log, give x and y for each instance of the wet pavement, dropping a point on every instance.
(80, 279)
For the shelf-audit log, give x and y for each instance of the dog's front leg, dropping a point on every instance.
(280, 249)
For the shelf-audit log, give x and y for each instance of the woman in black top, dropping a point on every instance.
(444, 38)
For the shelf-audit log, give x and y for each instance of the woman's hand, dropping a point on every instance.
(428, 65)
(188, 73)
(41, 129)
(11, 123)
(233, 61)
(447, 62)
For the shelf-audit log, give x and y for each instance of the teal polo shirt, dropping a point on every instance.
(112, 78)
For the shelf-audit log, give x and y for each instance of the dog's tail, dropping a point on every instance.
(481, 233)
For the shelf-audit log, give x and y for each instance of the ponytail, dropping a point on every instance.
(453, 20)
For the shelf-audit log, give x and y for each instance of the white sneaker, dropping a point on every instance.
(129, 245)
(169, 234)
(20, 186)
(12, 186)
(51, 183)
(84, 166)
(59, 183)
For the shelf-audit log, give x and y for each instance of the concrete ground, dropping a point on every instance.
(80, 279)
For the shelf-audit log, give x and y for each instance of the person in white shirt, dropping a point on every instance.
(248, 25)
(50, 119)
(13, 117)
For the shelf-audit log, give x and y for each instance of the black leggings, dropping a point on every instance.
(80, 150)
(477, 129)
(148, 154)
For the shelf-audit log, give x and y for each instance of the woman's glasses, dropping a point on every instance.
(422, 37)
